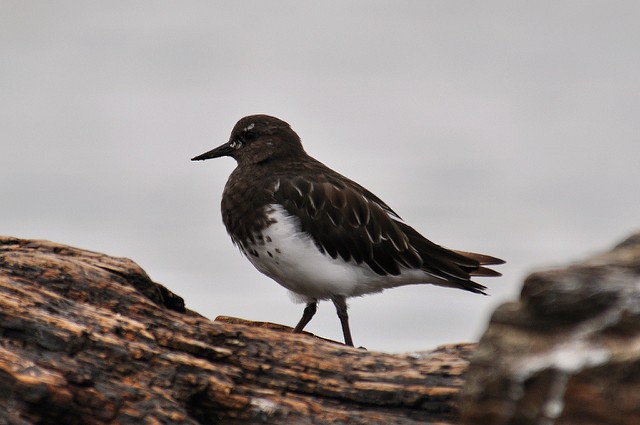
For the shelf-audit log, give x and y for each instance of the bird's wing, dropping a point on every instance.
(347, 221)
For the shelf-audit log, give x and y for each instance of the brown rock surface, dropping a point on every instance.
(568, 352)
(89, 339)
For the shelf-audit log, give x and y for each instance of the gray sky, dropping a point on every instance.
(509, 128)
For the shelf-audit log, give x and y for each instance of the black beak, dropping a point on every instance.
(224, 150)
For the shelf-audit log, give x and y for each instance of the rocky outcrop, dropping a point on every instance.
(568, 352)
(89, 339)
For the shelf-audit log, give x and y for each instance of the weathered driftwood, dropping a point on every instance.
(88, 338)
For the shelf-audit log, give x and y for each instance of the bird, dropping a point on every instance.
(321, 235)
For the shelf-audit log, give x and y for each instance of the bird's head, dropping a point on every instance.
(256, 139)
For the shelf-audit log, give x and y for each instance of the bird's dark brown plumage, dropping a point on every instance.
(345, 221)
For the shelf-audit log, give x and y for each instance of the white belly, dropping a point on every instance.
(291, 258)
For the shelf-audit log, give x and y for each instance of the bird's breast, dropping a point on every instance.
(245, 209)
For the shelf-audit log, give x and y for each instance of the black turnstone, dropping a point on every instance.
(321, 235)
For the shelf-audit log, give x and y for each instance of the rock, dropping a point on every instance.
(90, 339)
(568, 352)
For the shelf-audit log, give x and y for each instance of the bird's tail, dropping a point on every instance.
(483, 260)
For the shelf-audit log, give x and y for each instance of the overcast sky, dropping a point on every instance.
(508, 128)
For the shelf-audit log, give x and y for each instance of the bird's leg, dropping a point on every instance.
(307, 315)
(341, 307)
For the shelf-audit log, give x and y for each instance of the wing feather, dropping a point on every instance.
(347, 221)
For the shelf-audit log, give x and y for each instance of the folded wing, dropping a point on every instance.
(349, 222)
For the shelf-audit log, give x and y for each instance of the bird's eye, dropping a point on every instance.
(249, 136)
